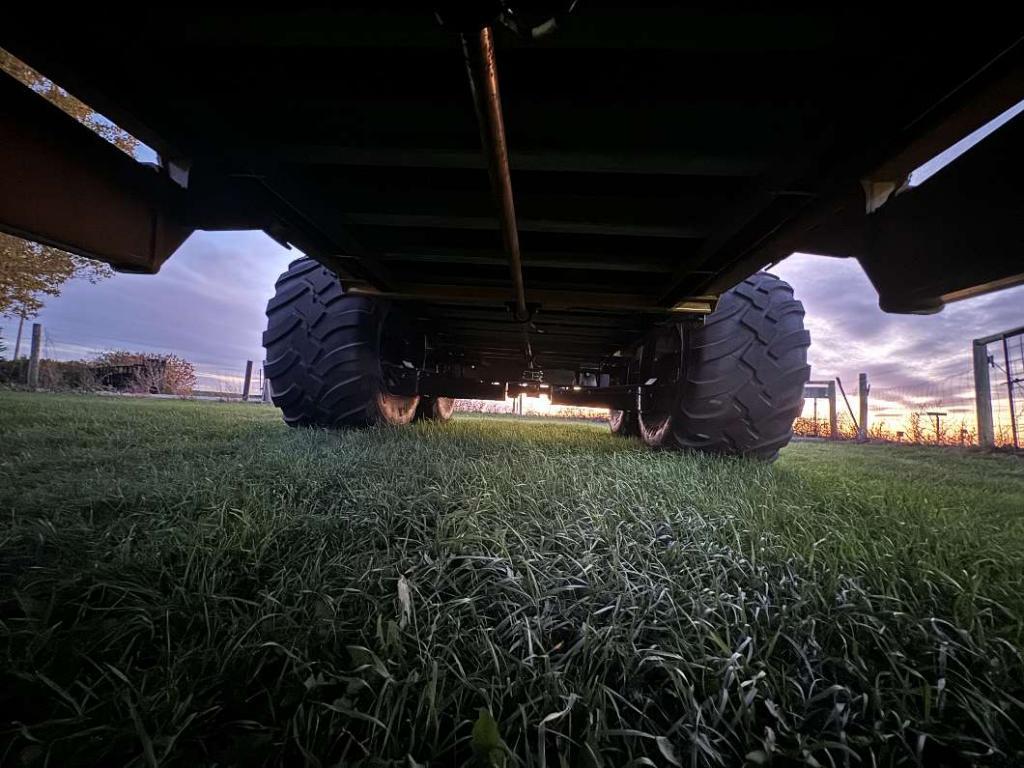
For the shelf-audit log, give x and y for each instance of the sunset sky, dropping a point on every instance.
(207, 304)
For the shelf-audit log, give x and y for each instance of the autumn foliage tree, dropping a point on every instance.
(30, 271)
(60, 98)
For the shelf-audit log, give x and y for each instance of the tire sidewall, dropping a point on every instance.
(741, 376)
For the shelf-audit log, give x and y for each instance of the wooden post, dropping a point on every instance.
(248, 380)
(983, 396)
(862, 396)
(937, 415)
(33, 361)
(849, 408)
(17, 342)
(833, 413)
(1009, 393)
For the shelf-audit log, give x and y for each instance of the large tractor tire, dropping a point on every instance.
(327, 353)
(741, 377)
(435, 409)
(623, 423)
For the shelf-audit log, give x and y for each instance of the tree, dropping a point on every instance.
(60, 98)
(30, 271)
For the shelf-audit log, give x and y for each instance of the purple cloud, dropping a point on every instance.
(207, 304)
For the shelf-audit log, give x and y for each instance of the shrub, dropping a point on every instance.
(149, 373)
(120, 370)
(13, 371)
(53, 374)
(804, 426)
(69, 374)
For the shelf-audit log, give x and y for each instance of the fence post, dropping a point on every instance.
(983, 396)
(17, 343)
(267, 394)
(833, 413)
(33, 361)
(1009, 392)
(248, 381)
(862, 396)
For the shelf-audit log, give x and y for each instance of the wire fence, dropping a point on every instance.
(225, 382)
(1011, 368)
(941, 412)
(213, 379)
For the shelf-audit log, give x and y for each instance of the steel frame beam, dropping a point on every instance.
(835, 220)
(549, 299)
(675, 164)
(67, 187)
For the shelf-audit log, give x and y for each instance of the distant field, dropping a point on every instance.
(188, 583)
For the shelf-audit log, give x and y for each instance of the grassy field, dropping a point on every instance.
(193, 583)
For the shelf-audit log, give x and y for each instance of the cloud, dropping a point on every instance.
(207, 304)
(849, 333)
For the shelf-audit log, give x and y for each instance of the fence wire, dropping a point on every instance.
(939, 412)
(1007, 374)
(67, 344)
(942, 411)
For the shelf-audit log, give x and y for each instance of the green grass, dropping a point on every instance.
(193, 583)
